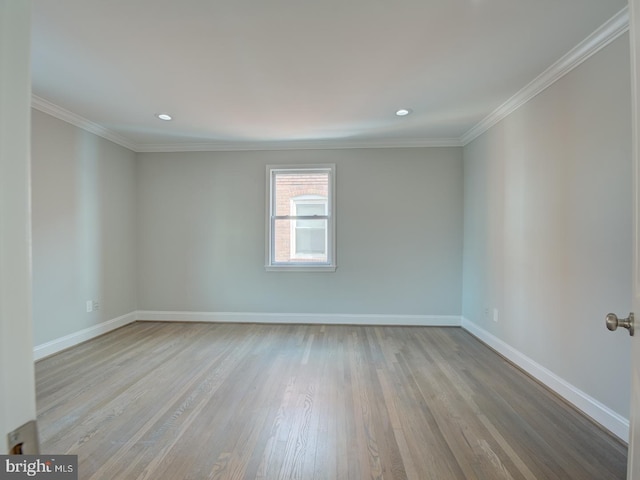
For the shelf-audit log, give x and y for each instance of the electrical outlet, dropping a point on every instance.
(96, 305)
(89, 306)
(495, 315)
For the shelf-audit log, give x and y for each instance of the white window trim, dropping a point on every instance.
(330, 265)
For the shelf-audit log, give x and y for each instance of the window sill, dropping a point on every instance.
(300, 268)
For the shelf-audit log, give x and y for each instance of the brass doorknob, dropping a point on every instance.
(613, 322)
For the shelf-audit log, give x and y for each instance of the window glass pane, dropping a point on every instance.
(311, 238)
(288, 185)
(282, 241)
(300, 244)
(311, 208)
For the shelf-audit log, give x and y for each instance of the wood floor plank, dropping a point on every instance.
(233, 402)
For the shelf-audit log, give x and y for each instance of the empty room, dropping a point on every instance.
(320, 240)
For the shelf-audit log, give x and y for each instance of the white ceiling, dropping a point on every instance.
(249, 74)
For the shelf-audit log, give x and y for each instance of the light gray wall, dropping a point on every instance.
(84, 227)
(548, 227)
(201, 237)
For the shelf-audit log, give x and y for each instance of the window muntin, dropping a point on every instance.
(300, 218)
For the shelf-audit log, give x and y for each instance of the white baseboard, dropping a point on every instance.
(615, 423)
(303, 318)
(62, 343)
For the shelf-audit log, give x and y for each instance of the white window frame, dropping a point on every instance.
(300, 266)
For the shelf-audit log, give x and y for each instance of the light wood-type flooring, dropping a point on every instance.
(182, 401)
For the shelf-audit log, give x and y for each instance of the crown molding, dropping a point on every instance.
(603, 36)
(54, 110)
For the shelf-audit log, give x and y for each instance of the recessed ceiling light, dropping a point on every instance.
(403, 111)
(164, 116)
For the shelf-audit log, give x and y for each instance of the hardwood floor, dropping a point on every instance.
(219, 401)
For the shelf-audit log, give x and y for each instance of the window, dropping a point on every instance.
(300, 218)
